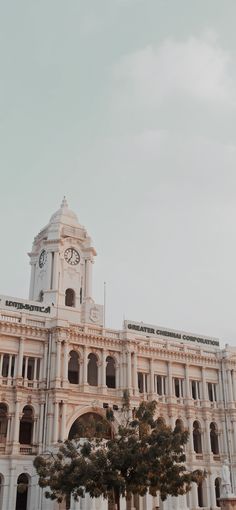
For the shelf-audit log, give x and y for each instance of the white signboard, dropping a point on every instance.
(150, 330)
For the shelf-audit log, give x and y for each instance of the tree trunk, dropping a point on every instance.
(68, 496)
(117, 499)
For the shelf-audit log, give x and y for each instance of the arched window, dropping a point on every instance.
(5, 365)
(197, 440)
(179, 425)
(214, 439)
(200, 495)
(90, 425)
(70, 297)
(41, 295)
(217, 491)
(73, 368)
(110, 372)
(3, 423)
(26, 426)
(22, 492)
(92, 370)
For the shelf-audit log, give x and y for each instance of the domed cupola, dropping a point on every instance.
(64, 215)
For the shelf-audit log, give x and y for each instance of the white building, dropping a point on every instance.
(58, 363)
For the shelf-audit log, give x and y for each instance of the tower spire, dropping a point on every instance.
(64, 202)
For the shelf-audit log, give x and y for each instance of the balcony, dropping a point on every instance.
(28, 449)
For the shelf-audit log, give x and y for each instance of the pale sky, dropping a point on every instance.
(127, 107)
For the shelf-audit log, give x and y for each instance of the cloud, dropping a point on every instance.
(197, 68)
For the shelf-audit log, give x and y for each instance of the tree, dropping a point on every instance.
(143, 455)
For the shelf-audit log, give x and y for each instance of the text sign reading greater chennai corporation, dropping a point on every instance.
(179, 335)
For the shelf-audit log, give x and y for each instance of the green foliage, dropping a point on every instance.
(144, 455)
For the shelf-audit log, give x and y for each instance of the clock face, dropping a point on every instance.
(42, 258)
(72, 256)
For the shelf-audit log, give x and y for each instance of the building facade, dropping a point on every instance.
(59, 365)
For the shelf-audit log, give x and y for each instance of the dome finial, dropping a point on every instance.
(64, 202)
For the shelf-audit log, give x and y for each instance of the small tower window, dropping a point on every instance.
(70, 297)
(41, 296)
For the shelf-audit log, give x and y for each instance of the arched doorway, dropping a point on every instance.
(92, 370)
(200, 495)
(73, 368)
(110, 372)
(22, 492)
(26, 426)
(90, 425)
(217, 491)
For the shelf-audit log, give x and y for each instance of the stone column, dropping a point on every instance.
(151, 371)
(234, 384)
(220, 387)
(58, 363)
(74, 505)
(117, 372)
(1, 362)
(187, 385)
(20, 357)
(55, 272)
(56, 422)
(41, 420)
(207, 441)
(170, 381)
(9, 426)
(85, 371)
(11, 497)
(123, 377)
(148, 501)
(63, 422)
(49, 418)
(204, 388)
(135, 374)
(26, 368)
(88, 278)
(234, 435)
(49, 270)
(45, 360)
(9, 366)
(194, 496)
(190, 428)
(212, 491)
(128, 371)
(32, 280)
(65, 364)
(35, 430)
(16, 423)
(230, 388)
(35, 368)
(103, 369)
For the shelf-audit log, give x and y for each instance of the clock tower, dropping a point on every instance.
(61, 261)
